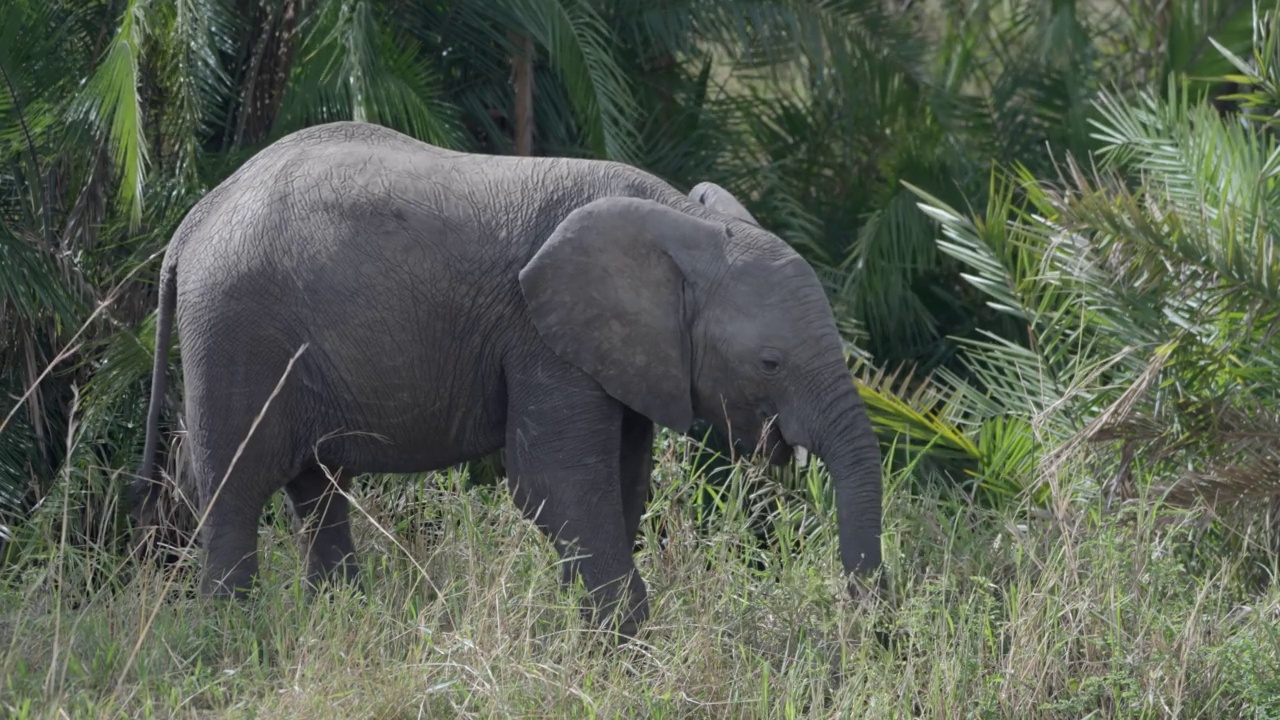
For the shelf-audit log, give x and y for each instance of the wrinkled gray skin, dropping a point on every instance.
(456, 304)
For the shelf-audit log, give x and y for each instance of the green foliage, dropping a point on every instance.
(112, 104)
(1147, 288)
(1260, 74)
(355, 67)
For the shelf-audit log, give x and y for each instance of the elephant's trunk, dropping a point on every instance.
(840, 433)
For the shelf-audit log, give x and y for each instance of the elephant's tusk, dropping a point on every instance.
(802, 455)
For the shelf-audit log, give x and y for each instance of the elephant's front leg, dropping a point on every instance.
(563, 447)
(635, 468)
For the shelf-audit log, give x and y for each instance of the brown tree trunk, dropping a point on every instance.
(264, 84)
(522, 71)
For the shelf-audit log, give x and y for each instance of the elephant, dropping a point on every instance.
(353, 300)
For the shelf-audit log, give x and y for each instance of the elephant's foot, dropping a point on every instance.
(869, 589)
(619, 617)
(235, 583)
(327, 572)
(230, 561)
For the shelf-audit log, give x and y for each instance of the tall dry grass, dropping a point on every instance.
(1131, 614)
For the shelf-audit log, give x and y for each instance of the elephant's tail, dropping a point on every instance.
(144, 490)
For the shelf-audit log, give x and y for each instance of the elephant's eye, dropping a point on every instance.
(770, 363)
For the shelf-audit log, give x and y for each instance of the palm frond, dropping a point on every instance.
(191, 37)
(919, 413)
(31, 283)
(115, 390)
(892, 251)
(18, 458)
(353, 66)
(1150, 301)
(1213, 236)
(111, 103)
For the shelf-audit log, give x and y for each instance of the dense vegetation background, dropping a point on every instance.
(1049, 232)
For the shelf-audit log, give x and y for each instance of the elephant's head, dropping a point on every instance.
(699, 313)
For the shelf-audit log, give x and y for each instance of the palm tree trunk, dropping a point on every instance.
(264, 84)
(522, 70)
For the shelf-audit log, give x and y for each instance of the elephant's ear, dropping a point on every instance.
(717, 198)
(607, 293)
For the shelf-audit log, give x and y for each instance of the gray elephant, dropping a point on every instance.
(454, 304)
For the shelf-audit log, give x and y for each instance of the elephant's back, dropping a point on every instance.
(353, 205)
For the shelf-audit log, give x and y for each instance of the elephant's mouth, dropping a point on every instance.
(771, 448)
(768, 445)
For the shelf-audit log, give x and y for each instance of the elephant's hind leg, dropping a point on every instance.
(323, 512)
(230, 547)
